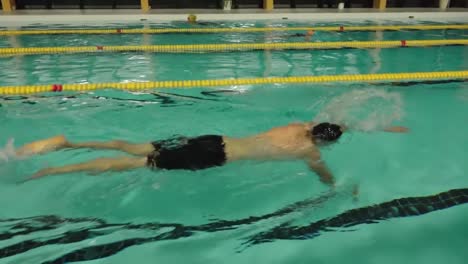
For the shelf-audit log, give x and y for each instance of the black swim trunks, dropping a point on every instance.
(298, 35)
(188, 153)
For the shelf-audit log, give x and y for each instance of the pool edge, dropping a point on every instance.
(22, 17)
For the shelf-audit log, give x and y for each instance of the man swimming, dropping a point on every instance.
(293, 141)
(192, 19)
(308, 35)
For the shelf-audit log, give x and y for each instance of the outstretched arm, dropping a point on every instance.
(396, 129)
(393, 129)
(316, 164)
(95, 166)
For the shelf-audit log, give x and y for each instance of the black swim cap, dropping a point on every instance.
(326, 132)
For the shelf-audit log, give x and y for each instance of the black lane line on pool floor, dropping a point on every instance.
(397, 208)
(428, 82)
(25, 226)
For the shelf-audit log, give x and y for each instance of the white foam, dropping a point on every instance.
(364, 110)
(8, 153)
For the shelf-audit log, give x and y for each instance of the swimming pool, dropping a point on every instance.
(428, 160)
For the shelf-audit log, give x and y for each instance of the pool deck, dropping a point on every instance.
(87, 16)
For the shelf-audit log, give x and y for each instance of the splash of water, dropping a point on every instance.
(8, 152)
(363, 110)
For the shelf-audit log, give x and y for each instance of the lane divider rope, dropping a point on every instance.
(234, 47)
(233, 30)
(138, 86)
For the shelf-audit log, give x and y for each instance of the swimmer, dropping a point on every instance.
(192, 19)
(307, 35)
(294, 141)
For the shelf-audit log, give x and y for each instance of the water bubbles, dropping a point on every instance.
(364, 110)
(8, 152)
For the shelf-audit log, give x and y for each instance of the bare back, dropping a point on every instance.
(285, 142)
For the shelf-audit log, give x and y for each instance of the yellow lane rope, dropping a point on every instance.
(223, 30)
(135, 86)
(235, 46)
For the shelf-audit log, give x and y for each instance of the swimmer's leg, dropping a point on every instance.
(95, 166)
(131, 148)
(42, 146)
(60, 142)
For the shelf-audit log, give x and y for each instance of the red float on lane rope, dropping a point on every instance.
(57, 88)
(341, 28)
(403, 43)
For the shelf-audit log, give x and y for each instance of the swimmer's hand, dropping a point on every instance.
(396, 129)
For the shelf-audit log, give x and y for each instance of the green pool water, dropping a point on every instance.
(432, 158)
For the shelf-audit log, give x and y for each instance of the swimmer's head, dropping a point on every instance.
(310, 33)
(192, 18)
(325, 133)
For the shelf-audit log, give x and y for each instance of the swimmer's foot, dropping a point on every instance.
(37, 175)
(43, 146)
